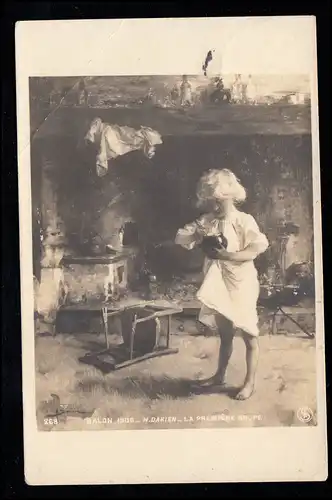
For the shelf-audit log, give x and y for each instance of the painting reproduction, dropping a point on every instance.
(175, 254)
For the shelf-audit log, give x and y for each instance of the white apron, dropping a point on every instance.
(230, 288)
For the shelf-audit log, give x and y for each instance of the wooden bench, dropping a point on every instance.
(140, 328)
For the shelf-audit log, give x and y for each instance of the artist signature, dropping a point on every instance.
(53, 408)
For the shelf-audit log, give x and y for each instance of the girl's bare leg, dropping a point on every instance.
(252, 355)
(226, 333)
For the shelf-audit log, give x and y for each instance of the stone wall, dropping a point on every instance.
(159, 194)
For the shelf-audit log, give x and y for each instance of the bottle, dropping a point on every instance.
(153, 287)
(121, 234)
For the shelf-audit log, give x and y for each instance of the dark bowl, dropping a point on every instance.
(214, 242)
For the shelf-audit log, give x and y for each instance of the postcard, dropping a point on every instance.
(171, 251)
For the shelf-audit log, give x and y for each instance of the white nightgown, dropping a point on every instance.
(229, 288)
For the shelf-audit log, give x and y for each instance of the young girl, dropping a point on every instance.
(230, 288)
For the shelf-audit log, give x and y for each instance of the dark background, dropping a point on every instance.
(161, 193)
(13, 485)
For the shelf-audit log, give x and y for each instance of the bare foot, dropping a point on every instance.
(245, 393)
(213, 381)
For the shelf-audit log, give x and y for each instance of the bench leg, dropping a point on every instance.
(169, 322)
(132, 336)
(105, 321)
(274, 324)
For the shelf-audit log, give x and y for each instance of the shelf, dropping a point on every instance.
(97, 259)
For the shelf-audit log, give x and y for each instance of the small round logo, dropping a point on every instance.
(305, 414)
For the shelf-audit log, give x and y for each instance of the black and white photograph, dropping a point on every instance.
(170, 231)
(173, 251)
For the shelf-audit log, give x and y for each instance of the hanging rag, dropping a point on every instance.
(230, 289)
(113, 141)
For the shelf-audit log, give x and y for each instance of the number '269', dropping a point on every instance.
(51, 421)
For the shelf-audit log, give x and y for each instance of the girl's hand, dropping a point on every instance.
(200, 230)
(219, 254)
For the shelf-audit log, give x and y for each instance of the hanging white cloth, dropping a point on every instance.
(230, 289)
(113, 141)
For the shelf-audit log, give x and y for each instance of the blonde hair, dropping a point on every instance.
(220, 185)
